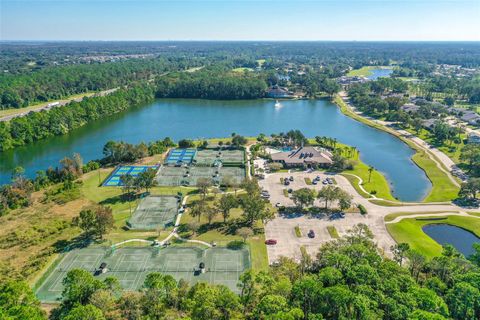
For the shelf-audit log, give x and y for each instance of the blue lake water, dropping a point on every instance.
(377, 73)
(196, 119)
(461, 239)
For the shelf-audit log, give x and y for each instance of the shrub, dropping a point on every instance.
(236, 245)
(362, 209)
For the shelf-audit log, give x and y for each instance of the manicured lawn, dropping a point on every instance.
(410, 231)
(392, 216)
(362, 72)
(442, 187)
(378, 183)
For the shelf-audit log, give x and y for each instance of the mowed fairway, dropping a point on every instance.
(410, 231)
(130, 265)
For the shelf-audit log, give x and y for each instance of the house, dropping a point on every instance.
(410, 108)
(429, 123)
(473, 137)
(471, 118)
(304, 157)
(277, 92)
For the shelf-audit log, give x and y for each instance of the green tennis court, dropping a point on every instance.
(153, 212)
(130, 265)
(214, 156)
(189, 176)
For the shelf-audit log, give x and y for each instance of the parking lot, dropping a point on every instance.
(282, 228)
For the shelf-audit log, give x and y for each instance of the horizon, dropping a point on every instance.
(241, 20)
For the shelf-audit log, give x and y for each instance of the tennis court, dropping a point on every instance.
(189, 176)
(215, 156)
(153, 212)
(113, 180)
(180, 156)
(130, 265)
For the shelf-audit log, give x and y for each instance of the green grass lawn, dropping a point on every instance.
(410, 231)
(392, 216)
(442, 187)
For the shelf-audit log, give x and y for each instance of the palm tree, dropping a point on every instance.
(370, 170)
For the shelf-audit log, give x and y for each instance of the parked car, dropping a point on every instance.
(311, 234)
(314, 182)
(271, 242)
(277, 204)
(325, 182)
(290, 190)
(291, 178)
(286, 182)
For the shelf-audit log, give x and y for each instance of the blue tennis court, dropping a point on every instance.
(113, 179)
(181, 156)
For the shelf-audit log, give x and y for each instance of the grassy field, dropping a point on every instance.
(442, 188)
(242, 70)
(9, 112)
(410, 231)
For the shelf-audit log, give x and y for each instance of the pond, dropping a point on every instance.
(461, 239)
(196, 119)
(380, 72)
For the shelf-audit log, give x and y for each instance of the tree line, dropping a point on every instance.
(61, 120)
(54, 83)
(211, 84)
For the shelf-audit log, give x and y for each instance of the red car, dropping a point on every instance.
(271, 241)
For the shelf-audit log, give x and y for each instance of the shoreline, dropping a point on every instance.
(420, 151)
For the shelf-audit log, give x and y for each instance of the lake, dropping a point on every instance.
(196, 119)
(461, 239)
(381, 72)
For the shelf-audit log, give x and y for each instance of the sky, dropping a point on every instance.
(341, 20)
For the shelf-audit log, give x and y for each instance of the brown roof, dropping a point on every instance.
(304, 155)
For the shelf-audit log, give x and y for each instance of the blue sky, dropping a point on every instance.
(240, 20)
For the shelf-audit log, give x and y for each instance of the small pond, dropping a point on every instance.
(380, 72)
(461, 239)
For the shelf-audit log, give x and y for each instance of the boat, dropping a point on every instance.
(277, 104)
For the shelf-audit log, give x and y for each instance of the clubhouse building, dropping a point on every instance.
(307, 157)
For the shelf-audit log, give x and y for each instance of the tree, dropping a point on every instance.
(254, 208)
(464, 301)
(87, 312)
(344, 200)
(95, 221)
(146, 179)
(197, 209)
(303, 197)
(245, 233)
(399, 251)
(18, 302)
(79, 285)
(194, 226)
(128, 182)
(470, 188)
(370, 170)
(328, 194)
(185, 143)
(471, 154)
(203, 185)
(239, 141)
(226, 203)
(211, 213)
